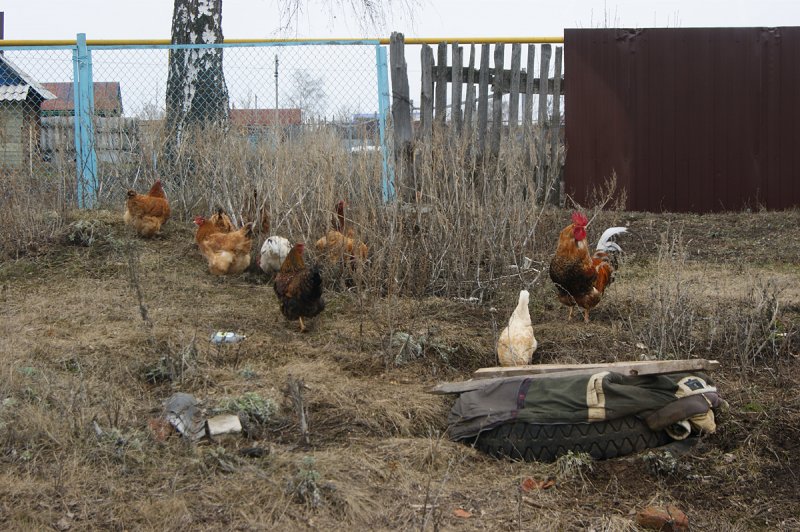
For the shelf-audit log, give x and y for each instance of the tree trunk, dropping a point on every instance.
(196, 89)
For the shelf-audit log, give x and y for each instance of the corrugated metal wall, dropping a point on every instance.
(695, 119)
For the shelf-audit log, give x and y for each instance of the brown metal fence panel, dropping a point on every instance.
(690, 120)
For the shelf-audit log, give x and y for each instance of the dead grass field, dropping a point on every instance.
(83, 373)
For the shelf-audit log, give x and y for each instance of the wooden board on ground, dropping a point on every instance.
(490, 376)
(638, 367)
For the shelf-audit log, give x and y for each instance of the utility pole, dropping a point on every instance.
(277, 115)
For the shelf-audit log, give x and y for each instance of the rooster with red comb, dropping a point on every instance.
(580, 277)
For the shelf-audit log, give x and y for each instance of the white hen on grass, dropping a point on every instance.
(516, 344)
(273, 253)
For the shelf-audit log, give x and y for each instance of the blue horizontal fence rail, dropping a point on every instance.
(86, 61)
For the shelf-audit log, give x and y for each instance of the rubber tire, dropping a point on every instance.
(546, 442)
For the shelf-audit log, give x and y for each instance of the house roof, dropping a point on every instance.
(16, 85)
(266, 117)
(107, 97)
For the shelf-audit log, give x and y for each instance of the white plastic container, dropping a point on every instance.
(228, 337)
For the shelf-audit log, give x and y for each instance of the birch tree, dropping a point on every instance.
(196, 89)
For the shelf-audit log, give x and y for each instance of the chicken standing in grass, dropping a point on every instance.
(219, 222)
(299, 287)
(580, 278)
(340, 243)
(516, 344)
(273, 252)
(275, 248)
(228, 253)
(147, 212)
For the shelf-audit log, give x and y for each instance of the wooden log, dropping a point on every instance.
(426, 93)
(483, 99)
(513, 103)
(491, 376)
(555, 137)
(497, 101)
(529, 88)
(469, 102)
(455, 97)
(541, 177)
(401, 117)
(441, 84)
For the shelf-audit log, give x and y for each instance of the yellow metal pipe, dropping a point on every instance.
(382, 40)
(481, 40)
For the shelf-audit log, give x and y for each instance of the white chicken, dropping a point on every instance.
(273, 253)
(516, 344)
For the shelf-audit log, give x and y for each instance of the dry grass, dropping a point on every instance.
(100, 328)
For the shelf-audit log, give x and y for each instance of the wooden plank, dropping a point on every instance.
(529, 88)
(541, 177)
(469, 102)
(636, 367)
(555, 137)
(401, 117)
(426, 93)
(455, 97)
(577, 369)
(483, 99)
(441, 84)
(513, 103)
(497, 101)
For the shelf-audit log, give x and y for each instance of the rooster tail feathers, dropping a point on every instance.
(605, 243)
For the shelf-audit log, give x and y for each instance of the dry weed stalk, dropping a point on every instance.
(294, 391)
(670, 328)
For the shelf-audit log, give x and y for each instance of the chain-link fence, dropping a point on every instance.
(142, 113)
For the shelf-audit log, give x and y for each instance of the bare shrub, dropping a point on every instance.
(33, 213)
(670, 327)
(473, 222)
(755, 332)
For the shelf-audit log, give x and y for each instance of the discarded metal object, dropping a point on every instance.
(227, 337)
(182, 412)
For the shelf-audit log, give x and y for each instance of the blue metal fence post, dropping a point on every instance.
(387, 180)
(85, 157)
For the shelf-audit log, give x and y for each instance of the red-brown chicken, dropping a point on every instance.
(581, 278)
(299, 287)
(339, 243)
(228, 253)
(219, 222)
(147, 212)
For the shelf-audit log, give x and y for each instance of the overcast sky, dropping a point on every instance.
(342, 71)
(242, 19)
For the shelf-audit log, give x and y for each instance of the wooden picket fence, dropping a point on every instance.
(477, 119)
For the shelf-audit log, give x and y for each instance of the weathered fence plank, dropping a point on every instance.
(401, 117)
(441, 84)
(555, 127)
(483, 99)
(513, 104)
(497, 100)
(455, 97)
(528, 111)
(541, 176)
(426, 93)
(469, 103)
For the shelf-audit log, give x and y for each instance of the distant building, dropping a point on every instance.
(260, 124)
(116, 138)
(21, 99)
(107, 99)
